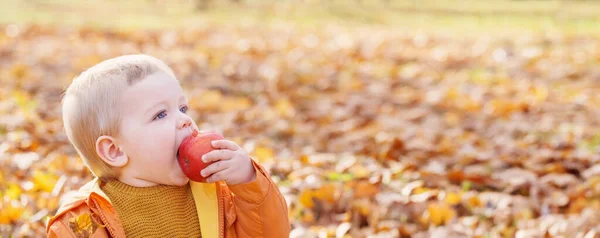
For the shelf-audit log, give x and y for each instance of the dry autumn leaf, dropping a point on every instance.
(440, 213)
(44, 181)
(83, 225)
(264, 154)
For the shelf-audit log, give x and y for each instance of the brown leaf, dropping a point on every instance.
(365, 189)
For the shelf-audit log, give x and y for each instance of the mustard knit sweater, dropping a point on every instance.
(157, 211)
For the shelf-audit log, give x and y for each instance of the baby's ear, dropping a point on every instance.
(109, 152)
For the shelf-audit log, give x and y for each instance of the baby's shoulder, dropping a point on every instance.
(74, 218)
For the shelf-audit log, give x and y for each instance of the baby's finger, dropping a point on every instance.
(217, 155)
(218, 176)
(225, 144)
(214, 168)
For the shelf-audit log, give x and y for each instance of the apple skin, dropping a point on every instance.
(190, 154)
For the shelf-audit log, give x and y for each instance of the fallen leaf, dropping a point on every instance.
(440, 213)
(453, 198)
(264, 154)
(365, 189)
(44, 181)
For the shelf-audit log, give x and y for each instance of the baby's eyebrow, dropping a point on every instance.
(164, 103)
(150, 109)
(182, 99)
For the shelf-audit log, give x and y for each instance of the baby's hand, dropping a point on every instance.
(232, 164)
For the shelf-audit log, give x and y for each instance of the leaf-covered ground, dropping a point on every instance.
(367, 132)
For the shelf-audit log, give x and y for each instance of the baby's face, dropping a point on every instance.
(153, 126)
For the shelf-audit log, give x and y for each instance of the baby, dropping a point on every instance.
(126, 117)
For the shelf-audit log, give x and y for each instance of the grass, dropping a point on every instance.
(454, 16)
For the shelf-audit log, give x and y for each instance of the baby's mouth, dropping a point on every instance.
(179, 146)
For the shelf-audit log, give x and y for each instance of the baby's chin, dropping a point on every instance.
(178, 178)
(173, 178)
(180, 182)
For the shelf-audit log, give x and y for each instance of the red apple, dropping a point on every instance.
(190, 154)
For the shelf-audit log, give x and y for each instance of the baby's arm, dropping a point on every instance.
(261, 209)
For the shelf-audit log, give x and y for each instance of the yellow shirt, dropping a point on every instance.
(157, 211)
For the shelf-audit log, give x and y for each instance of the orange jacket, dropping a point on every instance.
(256, 209)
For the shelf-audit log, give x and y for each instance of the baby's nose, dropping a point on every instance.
(185, 121)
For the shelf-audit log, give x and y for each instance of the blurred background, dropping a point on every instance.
(376, 118)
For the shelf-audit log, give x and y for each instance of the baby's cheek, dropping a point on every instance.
(194, 126)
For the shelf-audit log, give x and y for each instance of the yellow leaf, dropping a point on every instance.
(452, 94)
(525, 214)
(440, 213)
(452, 119)
(19, 71)
(307, 79)
(13, 192)
(82, 221)
(284, 107)
(10, 211)
(420, 190)
(453, 198)
(44, 181)
(27, 105)
(508, 231)
(504, 108)
(22, 98)
(305, 159)
(306, 199)
(264, 154)
(541, 93)
(308, 216)
(83, 225)
(471, 105)
(473, 202)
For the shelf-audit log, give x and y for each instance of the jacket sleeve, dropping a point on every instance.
(262, 210)
(58, 229)
(58, 226)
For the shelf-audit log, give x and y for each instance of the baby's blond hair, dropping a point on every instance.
(90, 104)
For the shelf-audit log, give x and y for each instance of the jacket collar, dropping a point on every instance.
(205, 197)
(207, 206)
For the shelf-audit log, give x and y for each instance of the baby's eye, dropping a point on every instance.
(160, 115)
(183, 109)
